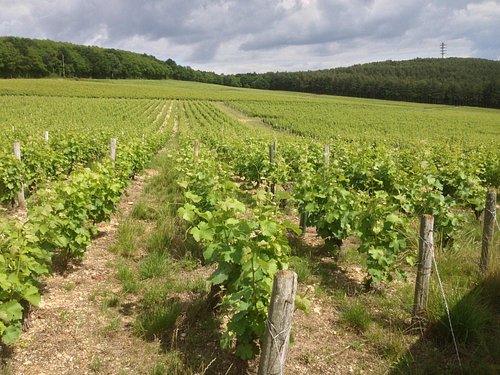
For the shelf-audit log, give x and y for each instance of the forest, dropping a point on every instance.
(453, 81)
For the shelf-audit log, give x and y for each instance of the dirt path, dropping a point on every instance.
(242, 117)
(70, 332)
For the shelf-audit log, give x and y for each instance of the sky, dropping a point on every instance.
(236, 36)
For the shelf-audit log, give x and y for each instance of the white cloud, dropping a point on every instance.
(261, 35)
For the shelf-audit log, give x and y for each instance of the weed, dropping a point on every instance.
(64, 315)
(188, 262)
(143, 211)
(113, 326)
(95, 364)
(195, 284)
(157, 319)
(127, 279)
(389, 344)
(471, 317)
(170, 365)
(69, 286)
(306, 358)
(356, 316)
(111, 301)
(302, 268)
(155, 264)
(162, 236)
(129, 238)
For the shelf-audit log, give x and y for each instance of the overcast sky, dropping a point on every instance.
(229, 36)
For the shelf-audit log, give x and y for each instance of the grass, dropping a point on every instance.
(162, 236)
(357, 316)
(113, 326)
(302, 267)
(130, 233)
(143, 211)
(127, 278)
(155, 264)
(171, 364)
(157, 318)
(112, 301)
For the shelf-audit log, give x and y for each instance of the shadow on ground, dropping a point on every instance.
(476, 324)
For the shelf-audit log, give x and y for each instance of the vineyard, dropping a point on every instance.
(257, 183)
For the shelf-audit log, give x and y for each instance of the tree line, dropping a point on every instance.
(32, 58)
(454, 81)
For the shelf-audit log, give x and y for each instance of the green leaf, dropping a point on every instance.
(202, 232)
(268, 227)
(10, 311)
(31, 295)
(393, 218)
(245, 350)
(11, 334)
(232, 221)
(192, 197)
(187, 212)
(220, 275)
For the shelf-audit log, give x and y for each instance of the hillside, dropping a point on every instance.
(453, 81)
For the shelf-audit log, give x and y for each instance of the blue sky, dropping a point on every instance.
(229, 36)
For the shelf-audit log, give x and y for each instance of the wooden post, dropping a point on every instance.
(488, 230)
(279, 323)
(196, 150)
(271, 160)
(46, 135)
(21, 201)
(425, 255)
(112, 152)
(327, 154)
(303, 223)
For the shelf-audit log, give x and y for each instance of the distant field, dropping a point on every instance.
(316, 116)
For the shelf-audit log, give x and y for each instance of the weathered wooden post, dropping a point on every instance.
(272, 150)
(303, 223)
(425, 255)
(196, 150)
(488, 230)
(112, 152)
(21, 201)
(327, 154)
(46, 135)
(279, 323)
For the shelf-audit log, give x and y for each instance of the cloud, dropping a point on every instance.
(240, 35)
